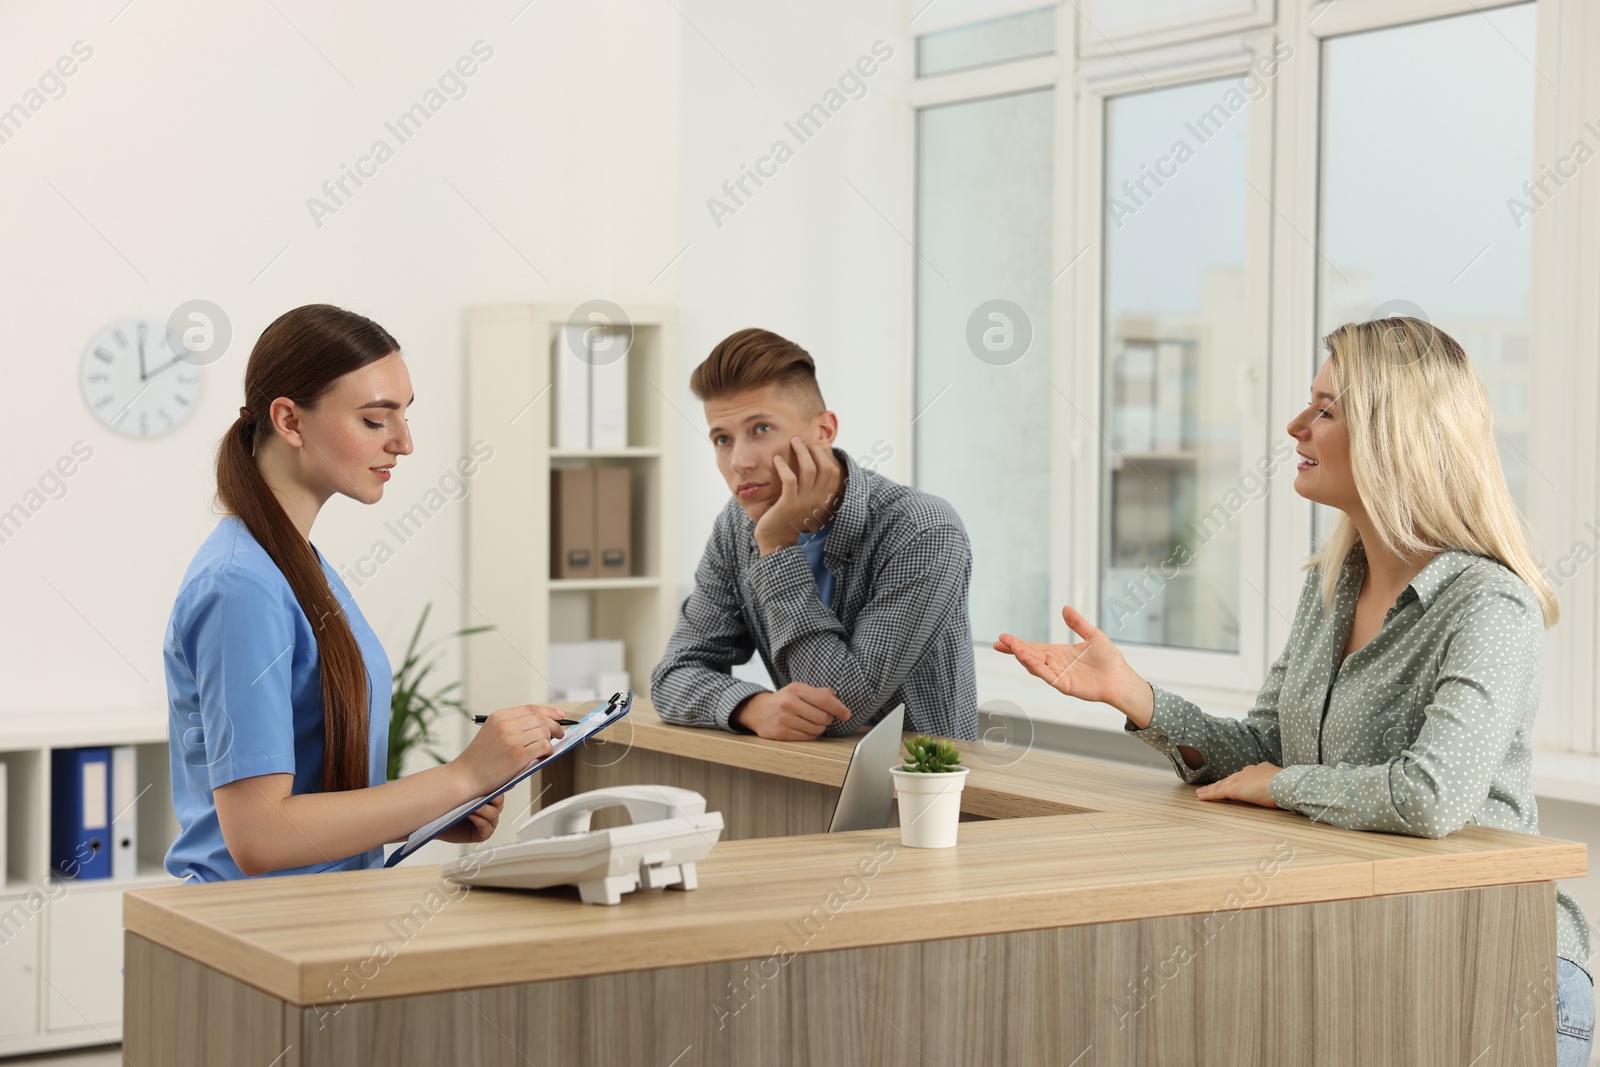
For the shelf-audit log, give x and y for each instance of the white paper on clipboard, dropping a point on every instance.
(600, 717)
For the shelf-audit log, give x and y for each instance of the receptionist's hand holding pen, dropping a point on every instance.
(511, 738)
(1095, 669)
(269, 827)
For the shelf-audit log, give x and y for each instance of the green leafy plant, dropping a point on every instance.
(413, 710)
(931, 755)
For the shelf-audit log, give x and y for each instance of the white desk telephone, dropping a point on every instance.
(671, 831)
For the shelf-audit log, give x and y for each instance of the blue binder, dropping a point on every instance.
(80, 813)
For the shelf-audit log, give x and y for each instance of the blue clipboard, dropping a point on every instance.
(598, 719)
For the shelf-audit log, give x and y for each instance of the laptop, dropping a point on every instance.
(867, 796)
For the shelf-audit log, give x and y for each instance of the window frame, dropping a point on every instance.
(1286, 164)
(1093, 43)
(1099, 82)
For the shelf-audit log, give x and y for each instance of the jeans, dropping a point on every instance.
(1574, 1014)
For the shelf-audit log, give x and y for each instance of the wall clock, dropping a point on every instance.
(135, 382)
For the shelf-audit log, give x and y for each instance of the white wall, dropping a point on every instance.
(191, 140)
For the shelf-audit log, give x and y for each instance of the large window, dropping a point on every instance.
(986, 189)
(1427, 144)
(1174, 328)
(982, 424)
(1127, 247)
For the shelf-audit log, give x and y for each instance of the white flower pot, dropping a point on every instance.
(930, 806)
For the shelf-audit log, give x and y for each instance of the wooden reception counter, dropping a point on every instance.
(1090, 914)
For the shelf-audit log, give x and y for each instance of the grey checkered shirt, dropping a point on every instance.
(897, 630)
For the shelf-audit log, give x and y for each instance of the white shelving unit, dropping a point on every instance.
(510, 406)
(61, 941)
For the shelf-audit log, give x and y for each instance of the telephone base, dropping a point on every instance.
(671, 831)
(610, 890)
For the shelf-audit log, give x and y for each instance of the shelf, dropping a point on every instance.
(605, 453)
(18, 733)
(510, 357)
(65, 935)
(589, 585)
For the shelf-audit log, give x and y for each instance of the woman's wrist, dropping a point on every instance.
(1137, 700)
(464, 785)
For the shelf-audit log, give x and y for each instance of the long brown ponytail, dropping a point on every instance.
(299, 357)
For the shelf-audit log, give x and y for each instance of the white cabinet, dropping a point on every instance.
(61, 942)
(20, 923)
(83, 959)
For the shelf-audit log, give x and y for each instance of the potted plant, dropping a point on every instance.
(929, 785)
(411, 710)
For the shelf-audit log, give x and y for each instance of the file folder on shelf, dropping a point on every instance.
(613, 522)
(80, 813)
(608, 390)
(124, 825)
(572, 514)
(570, 365)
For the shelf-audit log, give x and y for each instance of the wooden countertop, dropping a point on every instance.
(1073, 842)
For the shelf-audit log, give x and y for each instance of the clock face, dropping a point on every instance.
(135, 382)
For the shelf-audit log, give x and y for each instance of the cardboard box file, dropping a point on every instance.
(613, 522)
(572, 517)
(591, 532)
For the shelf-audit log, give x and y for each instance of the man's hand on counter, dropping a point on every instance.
(797, 712)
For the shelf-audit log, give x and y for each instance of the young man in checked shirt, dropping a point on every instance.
(852, 588)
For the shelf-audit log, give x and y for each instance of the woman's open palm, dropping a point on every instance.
(1092, 669)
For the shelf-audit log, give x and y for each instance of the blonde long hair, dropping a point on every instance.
(1422, 453)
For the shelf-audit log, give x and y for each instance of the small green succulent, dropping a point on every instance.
(931, 755)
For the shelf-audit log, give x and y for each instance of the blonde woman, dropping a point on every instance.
(1404, 700)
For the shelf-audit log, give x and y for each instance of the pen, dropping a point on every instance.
(481, 719)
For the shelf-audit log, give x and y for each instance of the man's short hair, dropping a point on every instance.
(751, 359)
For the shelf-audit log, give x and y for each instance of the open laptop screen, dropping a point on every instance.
(867, 796)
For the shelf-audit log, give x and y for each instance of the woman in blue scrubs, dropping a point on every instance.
(278, 691)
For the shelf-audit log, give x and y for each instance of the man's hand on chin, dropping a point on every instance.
(806, 502)
(797, 712)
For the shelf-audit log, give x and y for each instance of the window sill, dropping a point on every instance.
(1571, 776)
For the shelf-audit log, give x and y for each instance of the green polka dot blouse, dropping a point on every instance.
(1424, 729)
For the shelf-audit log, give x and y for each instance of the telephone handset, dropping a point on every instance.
(671, 831)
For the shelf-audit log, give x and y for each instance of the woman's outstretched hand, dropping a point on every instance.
(1092, 669)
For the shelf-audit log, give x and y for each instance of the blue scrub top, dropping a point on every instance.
(244, 696)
